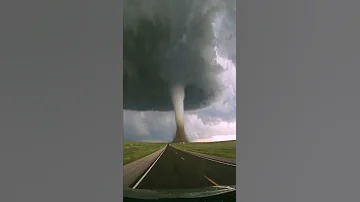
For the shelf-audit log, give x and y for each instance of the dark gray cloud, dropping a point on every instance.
(191, 43)
(219, 119)
(169, 43)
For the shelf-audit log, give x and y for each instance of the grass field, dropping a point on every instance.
(225, 149)
(137, 150)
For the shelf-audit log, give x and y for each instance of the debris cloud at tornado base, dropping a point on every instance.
(169, 56)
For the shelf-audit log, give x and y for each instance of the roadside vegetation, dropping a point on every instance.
(137, 150)
(225, 149)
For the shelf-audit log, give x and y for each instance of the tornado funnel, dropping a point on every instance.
(169, 57)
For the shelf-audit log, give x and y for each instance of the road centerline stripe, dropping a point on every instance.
(210, 180)
(137, 184)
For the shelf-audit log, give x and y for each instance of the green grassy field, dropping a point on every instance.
(137, 150)
(225, 149)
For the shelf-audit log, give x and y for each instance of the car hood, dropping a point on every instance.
(177, 193)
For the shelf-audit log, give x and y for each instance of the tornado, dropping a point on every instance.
(169, 56)
(177, 97)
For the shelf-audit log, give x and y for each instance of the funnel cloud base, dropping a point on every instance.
(180, 135)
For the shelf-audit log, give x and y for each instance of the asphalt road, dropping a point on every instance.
(176, 169)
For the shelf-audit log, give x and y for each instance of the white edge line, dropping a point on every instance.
(137, 184)
(229, 164)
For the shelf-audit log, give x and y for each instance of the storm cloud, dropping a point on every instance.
(171, 49)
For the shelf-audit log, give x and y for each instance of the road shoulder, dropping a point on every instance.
(218, 158)
(135, 169)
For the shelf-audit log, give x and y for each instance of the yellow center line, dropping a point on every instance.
(210, 180)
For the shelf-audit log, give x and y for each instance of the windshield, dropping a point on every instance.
(179, 98)
(175, 171)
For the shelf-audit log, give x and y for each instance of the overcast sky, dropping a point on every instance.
(214, 123)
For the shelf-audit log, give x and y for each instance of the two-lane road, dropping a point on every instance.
(176, 169)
